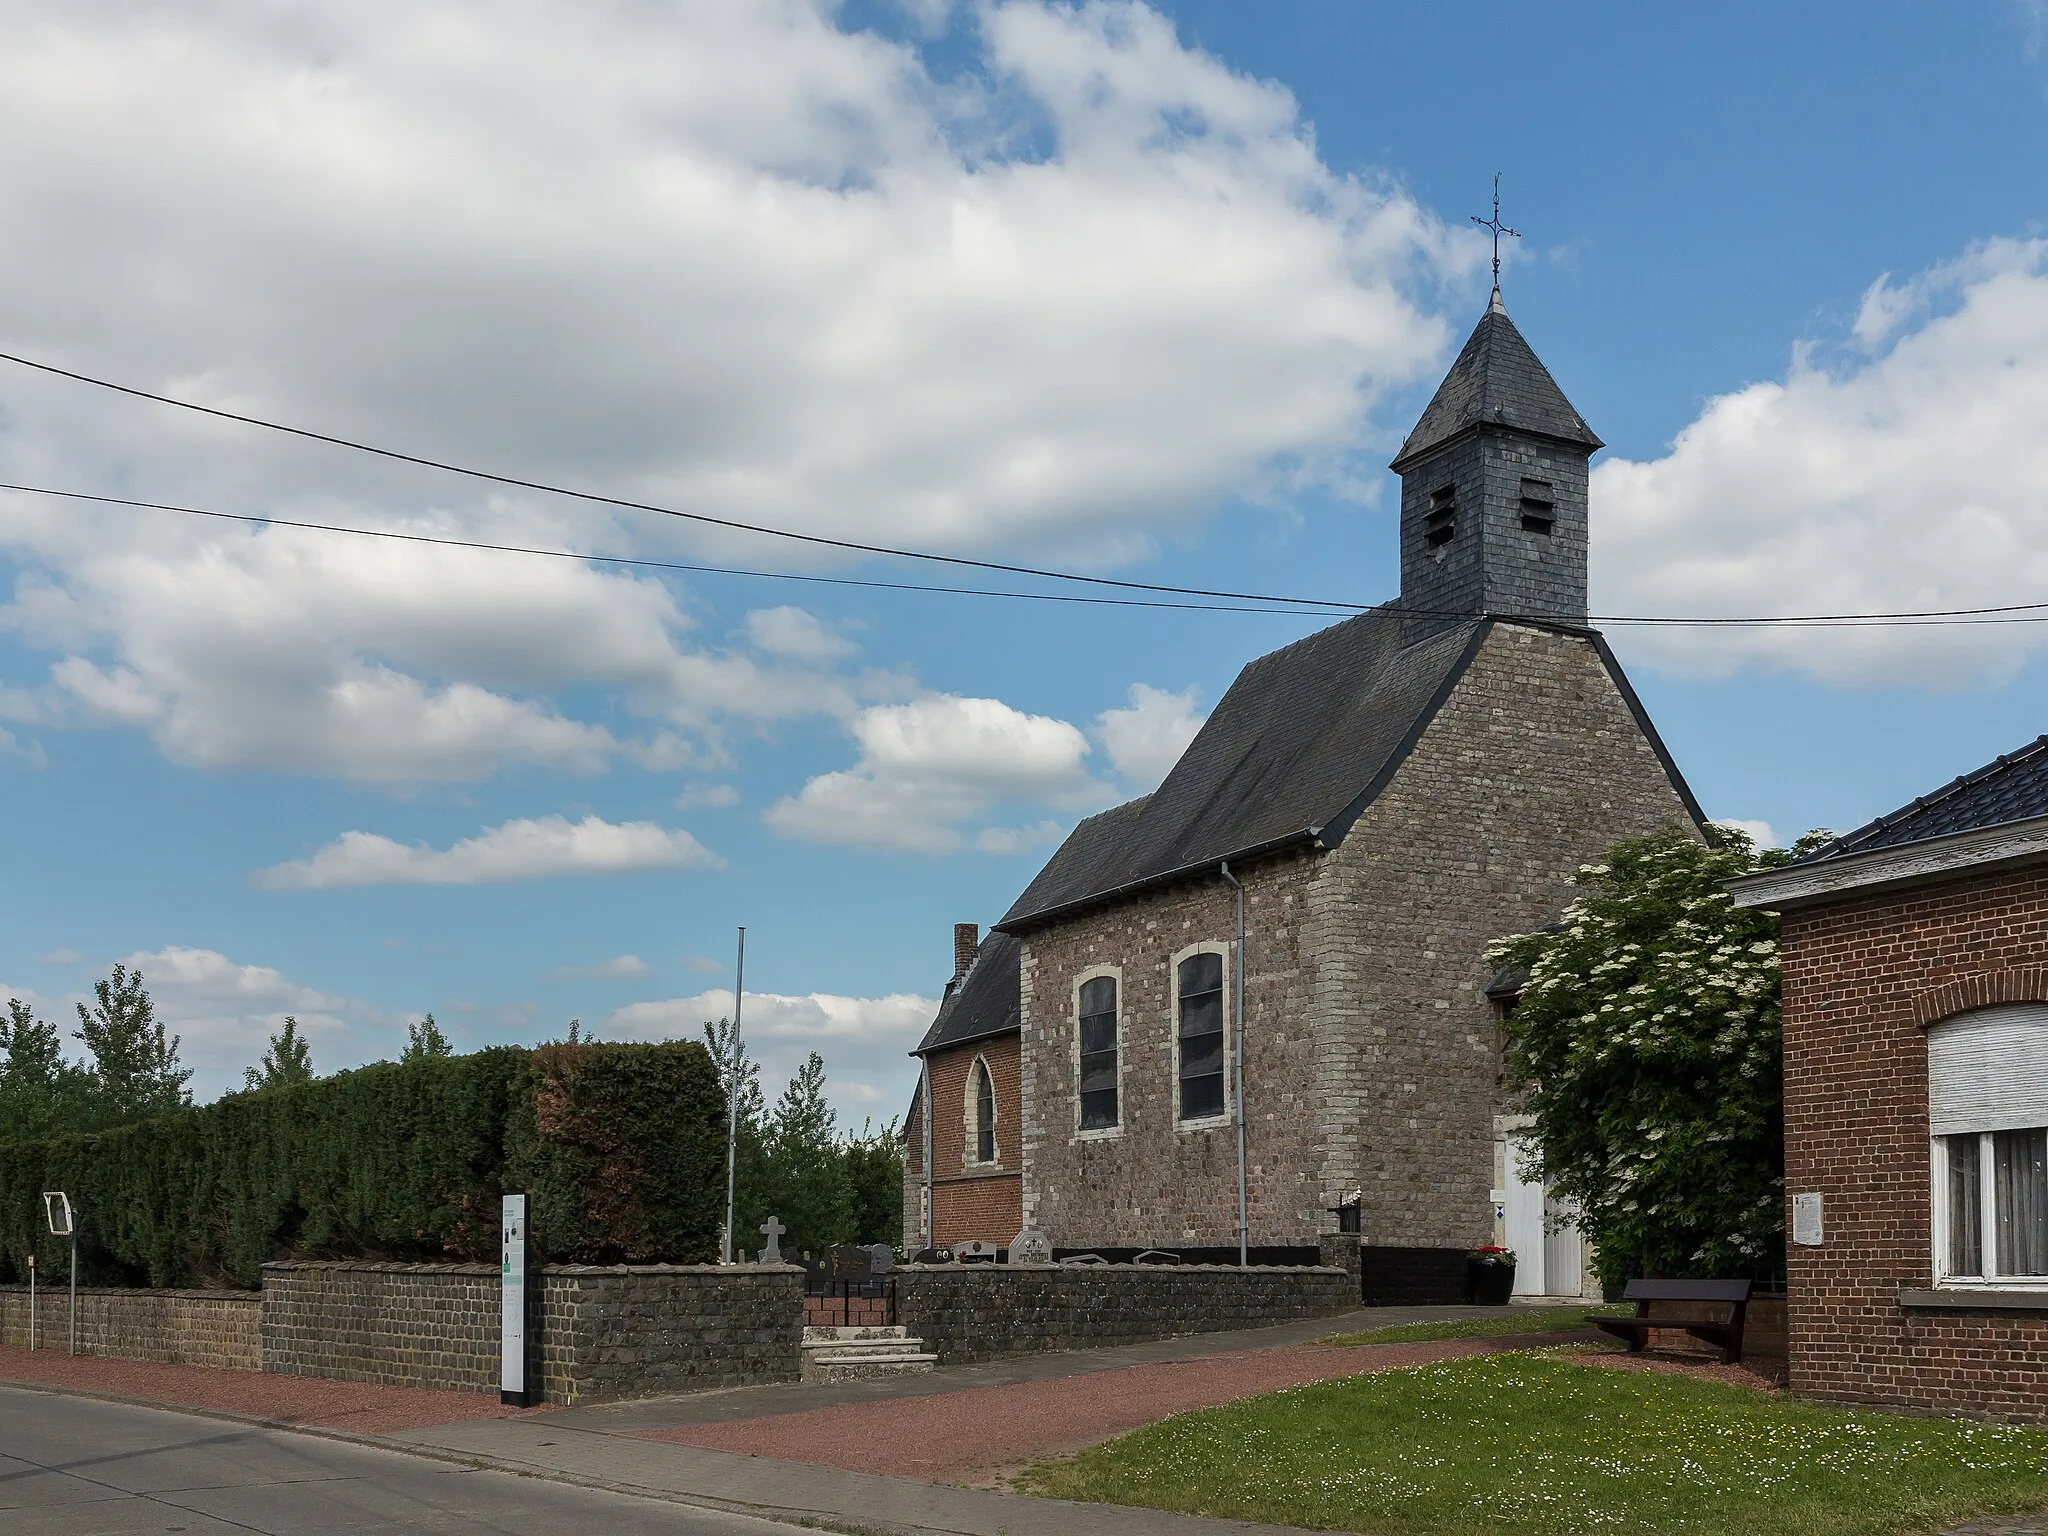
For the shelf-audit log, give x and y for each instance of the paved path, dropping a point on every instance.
(974, 1435)
(76, 1467)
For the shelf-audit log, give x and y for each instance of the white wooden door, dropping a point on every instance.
(1563, 1256)
(1524, 1219)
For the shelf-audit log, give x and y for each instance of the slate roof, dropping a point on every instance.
(1295, 750)
(988, 1000)
(2011, 788)
(1496, 379)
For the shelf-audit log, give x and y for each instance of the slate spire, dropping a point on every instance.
(1493, 489)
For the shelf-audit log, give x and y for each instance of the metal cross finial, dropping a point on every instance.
(1498, 229)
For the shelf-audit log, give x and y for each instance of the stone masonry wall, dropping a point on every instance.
(633, 1329)
(217, 1328)
(1863, 979)
(1155, 1182)
(1534, 766)
(406, 1325)
(975, 1312)
(597, 1332)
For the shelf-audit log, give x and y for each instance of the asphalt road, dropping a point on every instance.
(71, 1466)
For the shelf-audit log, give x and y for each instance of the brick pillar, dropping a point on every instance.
(966, 945)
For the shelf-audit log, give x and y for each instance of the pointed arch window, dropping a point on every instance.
(981, 1111)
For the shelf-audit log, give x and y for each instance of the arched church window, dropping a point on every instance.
(1200, 1035)
(984, 1113)
(1097, 1007)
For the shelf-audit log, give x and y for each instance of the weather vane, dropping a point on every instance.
(1498, 229)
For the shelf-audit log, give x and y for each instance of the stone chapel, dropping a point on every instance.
(1385, 797)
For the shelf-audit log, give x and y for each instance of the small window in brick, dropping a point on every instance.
(1201, 1036)
(1539, 506)
(1098, 1054)
(1440, 523)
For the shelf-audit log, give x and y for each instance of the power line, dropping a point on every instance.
(2009, 613)
(646, 564)
(642, 506)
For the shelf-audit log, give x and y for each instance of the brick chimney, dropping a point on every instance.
(966, 945)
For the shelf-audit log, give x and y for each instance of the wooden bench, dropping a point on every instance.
(1648, 1294)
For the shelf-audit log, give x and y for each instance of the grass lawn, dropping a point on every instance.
(1520, 1321)
(1533, 1442)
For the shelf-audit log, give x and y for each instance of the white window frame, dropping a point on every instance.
(1114, 973)
(1228, 1116)
(1939, 1227)
(970, 1143)
(1987, 1223)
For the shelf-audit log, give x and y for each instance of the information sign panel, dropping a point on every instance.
(512, 1325)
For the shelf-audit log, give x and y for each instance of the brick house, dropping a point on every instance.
(1915, 955)
(1383, 798)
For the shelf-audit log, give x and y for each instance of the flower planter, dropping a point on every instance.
(1491, 1273)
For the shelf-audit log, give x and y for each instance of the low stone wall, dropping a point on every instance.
(404, 1325)
(218, 1328)
(630, 1330)
(971, 1312)
(597, 1331)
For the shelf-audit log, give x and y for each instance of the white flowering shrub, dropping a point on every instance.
(1645, 1044)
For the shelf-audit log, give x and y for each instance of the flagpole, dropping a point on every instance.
(732, 1116)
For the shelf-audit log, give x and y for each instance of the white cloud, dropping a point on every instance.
(225, 1013)
(704, 965)
(63, 955)
(1004, 840)
(726, 256)
(1909, 477)
(864, 1040)
(14, 750)
(710, 796)
(618, 965)
(928, 765)
(534, 849)
(1146, 738)
(1758, 832)
(797, 634)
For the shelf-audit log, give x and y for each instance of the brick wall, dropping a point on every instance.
(598, 1331)
(987, 1311)
(975, 1201)
(1862, 979)
(1372, 1054)
(217, 1328)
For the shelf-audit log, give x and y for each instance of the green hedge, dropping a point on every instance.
(621, 1146)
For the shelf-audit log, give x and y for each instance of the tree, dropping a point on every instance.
(1645, 1044)
(807, 1182)
(874, 1173)
(40, 1091)
(289, 1060)
(424, 1040)
(135, 1070)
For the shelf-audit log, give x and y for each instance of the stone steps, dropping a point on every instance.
(862, 1354)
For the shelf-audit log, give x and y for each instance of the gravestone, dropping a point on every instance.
(976, 1252)
(772, 1230)
(1031, 1246)
(882, 1258)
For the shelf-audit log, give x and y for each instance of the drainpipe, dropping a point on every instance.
(930, 1214)
(1237, 1032)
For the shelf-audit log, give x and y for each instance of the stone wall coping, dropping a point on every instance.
(87, 1292)
(1118, 1269)
(365, 1266)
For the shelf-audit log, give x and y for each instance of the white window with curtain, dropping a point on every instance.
(1987, 1103)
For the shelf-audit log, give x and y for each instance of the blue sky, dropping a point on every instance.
(1149, 292)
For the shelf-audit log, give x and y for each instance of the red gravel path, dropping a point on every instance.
(972, 1435)
(359, 1407)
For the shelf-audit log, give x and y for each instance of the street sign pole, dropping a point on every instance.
(512, 1304)
(31, 1301)
(64, 1223)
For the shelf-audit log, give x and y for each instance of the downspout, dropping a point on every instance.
(930, 1214)
(1237, 1031)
